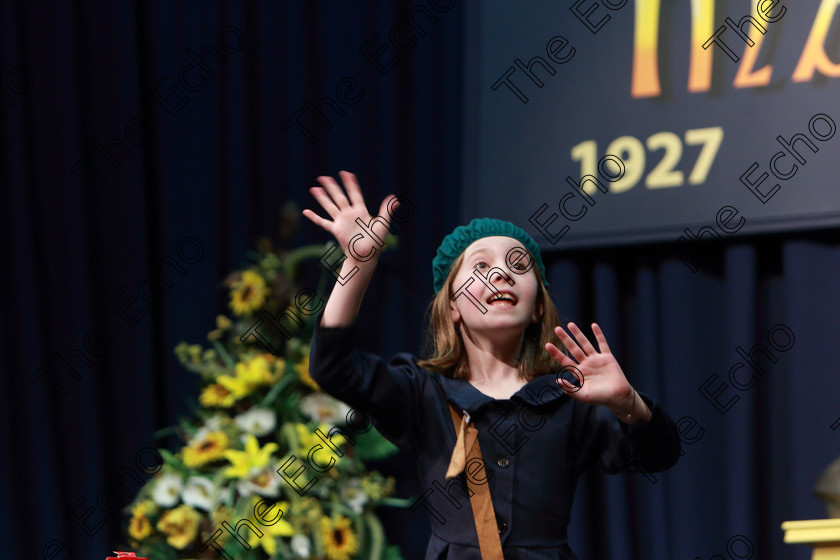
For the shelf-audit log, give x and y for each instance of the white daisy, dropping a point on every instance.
(199, 493)
(264, 482)
(353, 495)
(167, 489)
(301, 546)
(321, 407)
(257, 421)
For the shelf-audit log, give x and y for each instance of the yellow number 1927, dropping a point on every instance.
(630, 150)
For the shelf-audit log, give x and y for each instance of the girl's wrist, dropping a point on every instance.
(633, 412)
(352, 270)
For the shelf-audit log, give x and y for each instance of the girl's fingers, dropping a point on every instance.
(581, 339)
(602, 340)
(571, 380)
(334, 191)
(383, 208)
(558, 355)
(325, 201)
(317, 220)
(351, 184)
(570, 344)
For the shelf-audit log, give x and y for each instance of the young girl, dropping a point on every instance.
(542, 417)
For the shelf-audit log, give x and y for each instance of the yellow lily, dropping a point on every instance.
(302, 369)
(250, 375)
(253, 458)
(280, 528)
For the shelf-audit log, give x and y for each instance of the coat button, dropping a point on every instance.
(503, 462)
(503, 527)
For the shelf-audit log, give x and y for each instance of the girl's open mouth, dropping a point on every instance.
(502, 299)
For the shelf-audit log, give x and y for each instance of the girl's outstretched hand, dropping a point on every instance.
(344, 209)
(603, 383)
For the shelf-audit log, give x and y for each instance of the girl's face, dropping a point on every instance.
(515, 310)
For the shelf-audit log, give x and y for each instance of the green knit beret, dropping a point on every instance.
(461, 238)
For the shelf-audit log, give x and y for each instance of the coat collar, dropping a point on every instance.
(464, 396)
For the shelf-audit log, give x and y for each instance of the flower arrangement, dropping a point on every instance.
(257, 410)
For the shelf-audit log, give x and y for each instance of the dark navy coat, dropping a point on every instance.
(534, 445)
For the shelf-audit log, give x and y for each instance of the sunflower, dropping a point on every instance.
(205, 450)
(139, 527)
(180, 525)
(339, 540)
(216, 395)
(248, 293)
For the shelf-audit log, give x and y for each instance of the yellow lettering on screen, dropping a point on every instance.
(702, 27)
(746, 77)
(813, 55)
(645, 82)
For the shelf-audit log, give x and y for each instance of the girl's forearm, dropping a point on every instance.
(346, 299)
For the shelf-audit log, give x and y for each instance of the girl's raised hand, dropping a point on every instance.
(603, 382)
(344, 209)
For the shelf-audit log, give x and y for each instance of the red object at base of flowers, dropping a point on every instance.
(123, 555)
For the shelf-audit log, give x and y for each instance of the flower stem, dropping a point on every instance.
(293, 259)
(377, 536)
(223, 354)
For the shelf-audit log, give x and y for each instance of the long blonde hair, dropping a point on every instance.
(445, 346)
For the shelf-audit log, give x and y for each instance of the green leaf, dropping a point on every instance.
(340, 508)
(372, 446)
(223, 354)
(392, 552)
(276, 389)
(163, 432)
(396, 502)
(173, 462)
(242, 508)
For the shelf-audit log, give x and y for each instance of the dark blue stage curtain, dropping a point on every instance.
(119, 152)
(204, 169)
(750, 460)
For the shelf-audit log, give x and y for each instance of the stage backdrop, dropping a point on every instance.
(652, 121)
